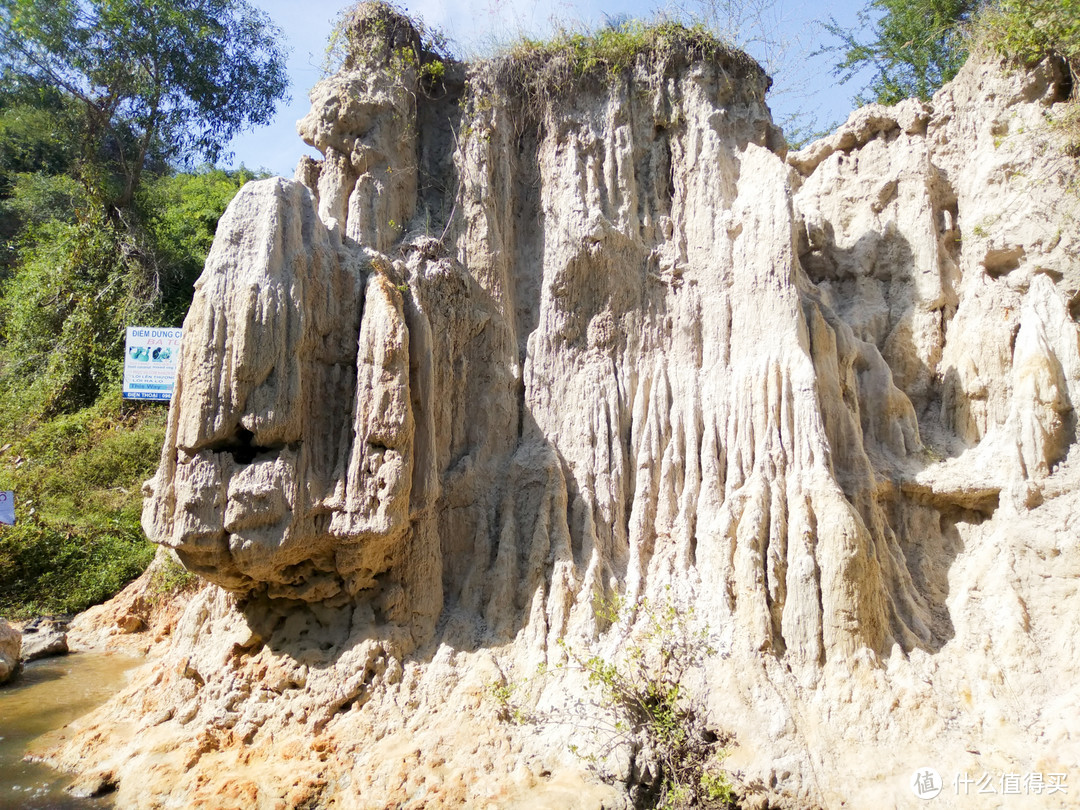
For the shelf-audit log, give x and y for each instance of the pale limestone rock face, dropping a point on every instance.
(10, 650)
(360, 122)
(619, 346)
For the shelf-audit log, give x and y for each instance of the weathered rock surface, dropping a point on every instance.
(44, 638)
(10, 648)
(440, 394)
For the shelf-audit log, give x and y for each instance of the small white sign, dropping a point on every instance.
(7, 508)
(151, 354)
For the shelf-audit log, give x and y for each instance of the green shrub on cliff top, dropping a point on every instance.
(545, 70)
(1026, 31)
(379, 34)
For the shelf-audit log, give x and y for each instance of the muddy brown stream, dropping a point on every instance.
(45, 697)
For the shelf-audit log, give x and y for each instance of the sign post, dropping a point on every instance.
(151, 355)
(7, 508)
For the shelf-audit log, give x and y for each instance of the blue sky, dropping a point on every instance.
(781, 34)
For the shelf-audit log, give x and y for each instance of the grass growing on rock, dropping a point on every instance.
(169, 577)
(1026, 31)
(545, 71)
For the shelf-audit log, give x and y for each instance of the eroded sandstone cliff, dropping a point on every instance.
(496, 358)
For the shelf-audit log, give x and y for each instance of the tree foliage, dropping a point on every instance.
(912, 46)
(77, 282)
(75, 454)
(161, 80)
(36, 124)
(100, 102)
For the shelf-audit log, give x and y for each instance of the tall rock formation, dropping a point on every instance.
(501, 356)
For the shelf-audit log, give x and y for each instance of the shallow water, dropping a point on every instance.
(47, 695)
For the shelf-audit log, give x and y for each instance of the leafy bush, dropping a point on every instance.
(77, 480)
(35, 133)
(37, 129)
(99, 232)
(38, 198)
(79, 454)
(1028, 30)
(62, 313)
(170, 577)
(915, 46)
(45, 570)
(75, 285)
(639, 705)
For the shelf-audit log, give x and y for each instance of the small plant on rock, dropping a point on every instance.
(639, 705)
(376, 34)
(170, 577)
(1025, 32)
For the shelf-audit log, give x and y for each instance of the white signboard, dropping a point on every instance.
(151, 354)
(7, 508)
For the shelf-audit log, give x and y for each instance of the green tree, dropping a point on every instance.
(913, 46)
(36, 125)
(75, 453)
(77, 282)
(156, 80)
(180, 213)
(127, 89)
(100, 101)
